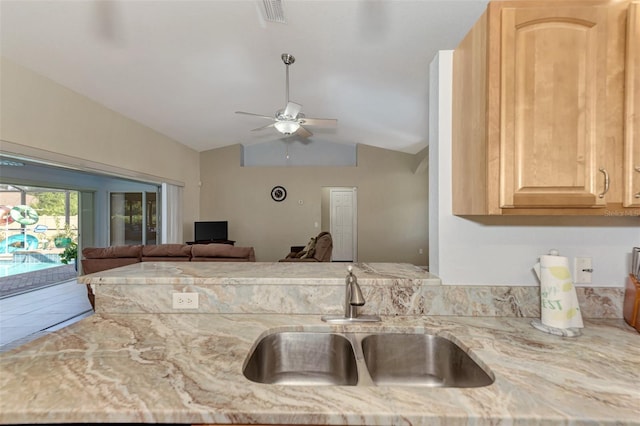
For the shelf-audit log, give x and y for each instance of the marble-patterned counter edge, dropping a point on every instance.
(264, 273)
(318, 288)
(394, 299)
(188, 369)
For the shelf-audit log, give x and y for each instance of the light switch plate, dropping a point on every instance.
(185, 300)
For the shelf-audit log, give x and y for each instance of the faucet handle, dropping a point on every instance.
(350, 269)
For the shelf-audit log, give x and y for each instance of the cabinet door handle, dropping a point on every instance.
(606, 182)
(637, 168)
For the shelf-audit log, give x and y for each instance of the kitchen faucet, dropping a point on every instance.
(352, 295)
(352, 300)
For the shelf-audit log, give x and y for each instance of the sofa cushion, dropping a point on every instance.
(90, 266)
(309, 250)
(175, 252)
(222, 251)
(112, 252)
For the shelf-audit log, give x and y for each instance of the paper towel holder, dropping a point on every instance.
(572, 327)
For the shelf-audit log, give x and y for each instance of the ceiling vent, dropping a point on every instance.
(273, 11)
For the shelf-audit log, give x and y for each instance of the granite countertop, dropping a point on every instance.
(187, 368)
(263, 273)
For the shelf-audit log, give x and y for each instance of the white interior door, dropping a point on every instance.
(343, 224)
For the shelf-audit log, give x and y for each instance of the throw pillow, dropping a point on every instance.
(310, 249)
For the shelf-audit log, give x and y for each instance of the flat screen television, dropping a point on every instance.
(210, 231)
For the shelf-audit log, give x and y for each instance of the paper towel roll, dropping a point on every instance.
(558, 299)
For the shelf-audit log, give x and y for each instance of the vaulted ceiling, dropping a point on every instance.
(184, 67)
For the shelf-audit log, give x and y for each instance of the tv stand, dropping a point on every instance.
(230, 242)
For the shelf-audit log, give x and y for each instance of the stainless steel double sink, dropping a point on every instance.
(363, 359)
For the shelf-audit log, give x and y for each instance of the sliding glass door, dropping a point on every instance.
(133, 218)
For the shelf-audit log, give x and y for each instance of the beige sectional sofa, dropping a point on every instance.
(96, 259)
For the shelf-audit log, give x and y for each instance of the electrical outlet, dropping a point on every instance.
(185, 300)
(583, 270)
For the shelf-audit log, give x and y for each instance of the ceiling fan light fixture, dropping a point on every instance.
(287, 127)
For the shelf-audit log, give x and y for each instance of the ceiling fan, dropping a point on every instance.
(289, 120)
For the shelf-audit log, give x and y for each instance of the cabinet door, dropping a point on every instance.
(632, 110)
(553, 115)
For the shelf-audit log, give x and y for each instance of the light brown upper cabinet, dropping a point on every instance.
(632, 110)
(539, 109)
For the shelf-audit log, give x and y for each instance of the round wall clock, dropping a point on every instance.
(278, 193)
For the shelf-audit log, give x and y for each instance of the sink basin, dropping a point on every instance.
(420, 360)
(362, 359)
(302, 358)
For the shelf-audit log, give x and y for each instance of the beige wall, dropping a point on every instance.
(41, 118)
(392, 203)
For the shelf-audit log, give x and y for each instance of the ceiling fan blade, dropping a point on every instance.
(263, 127)
(292, 109)
(302, 132)
(319, 121)
(256, 115)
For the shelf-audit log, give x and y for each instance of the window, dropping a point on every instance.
(36, 225)
(37, 218)
(134, 218)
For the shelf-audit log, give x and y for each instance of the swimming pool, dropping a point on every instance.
(11, 268)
